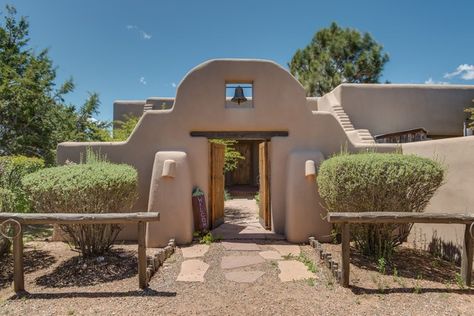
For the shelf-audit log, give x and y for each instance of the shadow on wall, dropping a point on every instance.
(446, 250)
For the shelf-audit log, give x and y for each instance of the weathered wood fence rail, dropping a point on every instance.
(81, 219)
(345, 219)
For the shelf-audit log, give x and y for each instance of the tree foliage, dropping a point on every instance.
(231, 155)
(470, 112)
(338, 55)
(375, 182)
(125, 128)
(33, 115)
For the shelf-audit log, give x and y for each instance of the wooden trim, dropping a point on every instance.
(467, 256)
(79, 218)
(346, 253)
(142, 261)
(400, 217)
(65, 218)
(18, 267)
(257, 135)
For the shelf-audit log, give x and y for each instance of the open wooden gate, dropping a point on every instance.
(264, 167)
(216, 183)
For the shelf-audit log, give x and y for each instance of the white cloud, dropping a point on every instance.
(144, 35)
(173, 84)
(465, 71)
(431, 81)
(142, 80)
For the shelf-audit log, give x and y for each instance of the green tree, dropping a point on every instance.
(470, 118)
(338, 55)
(125, 128)
(33, 115)
(231, 155)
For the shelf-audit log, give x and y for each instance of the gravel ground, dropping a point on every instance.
(371, 294)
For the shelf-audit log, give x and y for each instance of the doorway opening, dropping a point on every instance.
(239, 199)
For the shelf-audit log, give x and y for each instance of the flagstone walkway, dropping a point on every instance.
(247, 253)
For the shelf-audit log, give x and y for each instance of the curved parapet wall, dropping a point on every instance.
(279, 104)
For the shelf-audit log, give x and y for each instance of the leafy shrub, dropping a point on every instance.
(374, 182)
(12, 170)
(93, 187)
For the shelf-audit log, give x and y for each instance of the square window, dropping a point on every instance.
(239, 94)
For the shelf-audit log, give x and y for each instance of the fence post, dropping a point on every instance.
(346, 252)
(142, 279)
(467, 254)
(18, 274)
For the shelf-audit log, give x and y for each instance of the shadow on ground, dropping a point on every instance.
(362, 291)
(117, 265)
(411, 263)
(54, 296)
(34, 260)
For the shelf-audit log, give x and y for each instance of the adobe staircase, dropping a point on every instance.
(336, 108)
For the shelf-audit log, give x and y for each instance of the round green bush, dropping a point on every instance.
(378, 182)
(97, 187)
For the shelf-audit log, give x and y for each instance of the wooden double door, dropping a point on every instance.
(217, 183)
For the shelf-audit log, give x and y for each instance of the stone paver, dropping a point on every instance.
(231, 262)
(287, 249)
(291, 270)
(194, 251)
(244, 276)
(271, 255)
(240, 246)
(192, 271)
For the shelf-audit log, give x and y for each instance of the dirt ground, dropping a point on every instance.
(59, 283)
(435, 292)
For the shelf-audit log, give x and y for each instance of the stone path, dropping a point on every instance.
(247, 249)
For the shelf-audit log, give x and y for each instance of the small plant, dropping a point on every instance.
(381, 265)
(417, 288)
(209, 239)
(459, 281)
(311, 281)
(289, 256)
(308, 263)
(227, 196)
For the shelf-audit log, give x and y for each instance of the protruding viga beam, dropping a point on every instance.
(400, 217)
(67, 218)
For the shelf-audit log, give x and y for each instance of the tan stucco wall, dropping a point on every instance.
(279, 103)
(457, 193)
(124, 108)
(386, 108)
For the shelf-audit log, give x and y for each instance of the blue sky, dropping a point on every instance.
(138, 49)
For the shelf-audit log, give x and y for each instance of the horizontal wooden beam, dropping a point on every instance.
(401, 217)
(257, 135)
(69, 218)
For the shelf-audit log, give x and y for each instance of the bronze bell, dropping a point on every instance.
(239, 96)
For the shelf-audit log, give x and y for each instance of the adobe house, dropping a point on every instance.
(292, 134)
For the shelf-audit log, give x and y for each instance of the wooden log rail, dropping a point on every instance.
(80, 219)
(345, 219)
